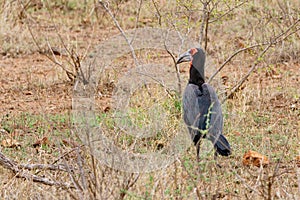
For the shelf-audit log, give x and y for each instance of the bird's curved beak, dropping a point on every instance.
(185, 57)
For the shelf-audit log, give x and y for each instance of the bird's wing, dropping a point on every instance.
(214, 110)
(215, 121)
(203, 115)
(195, 106)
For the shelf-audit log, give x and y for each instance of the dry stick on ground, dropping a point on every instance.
(18, 170)
(121, 30)
(43, 167)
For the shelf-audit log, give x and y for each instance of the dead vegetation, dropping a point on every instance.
(44, 43)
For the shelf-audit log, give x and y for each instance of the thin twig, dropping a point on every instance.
(76, 61)
(40, 50)
(232, 56)
(157, 12)
(251, 47)
(195, 185)
(75, 64)
(206, 28)
(120, 29)
(260, 56)
(43, 167)
(127, 184)
(71, 175)
(176, 68)
(18, 170)
(227, 12)
(276, 169)
(204, 16)
(137, 20)
(158, 81)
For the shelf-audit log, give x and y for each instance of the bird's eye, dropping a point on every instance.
(193, 51)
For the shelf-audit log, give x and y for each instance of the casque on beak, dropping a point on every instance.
(185, 57)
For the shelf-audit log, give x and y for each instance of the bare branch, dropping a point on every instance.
(120, 29)
(157, 12)
(17, 169)
(195, 185)
(204, 19)
(276, 40)
(40, 49)
(176, 68)
(253, 67)
(203, 35)
(75, 59)
(232, 56)
(137, 20)
(206, 28)
(227, 12)
(43, 167)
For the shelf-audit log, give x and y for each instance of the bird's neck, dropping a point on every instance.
(195, 77)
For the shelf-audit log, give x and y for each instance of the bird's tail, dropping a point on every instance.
(222, 146)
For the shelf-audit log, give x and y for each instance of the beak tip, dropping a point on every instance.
(186, 57)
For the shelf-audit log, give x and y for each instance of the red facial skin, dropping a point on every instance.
(192, 52)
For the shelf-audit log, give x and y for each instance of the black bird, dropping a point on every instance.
(201, 106)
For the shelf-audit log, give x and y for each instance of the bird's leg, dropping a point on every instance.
(216, 159)
(198, 155)
(198, 150)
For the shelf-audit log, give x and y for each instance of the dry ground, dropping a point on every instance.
(36, 103)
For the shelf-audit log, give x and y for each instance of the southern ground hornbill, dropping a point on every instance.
(201, 106)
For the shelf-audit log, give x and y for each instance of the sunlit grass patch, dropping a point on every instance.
(151, 118)
(28, 128)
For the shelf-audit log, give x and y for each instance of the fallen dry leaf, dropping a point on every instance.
(255, 158)
(70, 143)
(225, 79)
(43, 141)
(28, 93)
(237, 133)
(297, 159)
(17, 132)
(10, 143)
(106, 109)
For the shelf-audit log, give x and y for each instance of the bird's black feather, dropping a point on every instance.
(202, 109)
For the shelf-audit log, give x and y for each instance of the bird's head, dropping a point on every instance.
(196, 57)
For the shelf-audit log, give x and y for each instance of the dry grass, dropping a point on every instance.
(36, 100)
